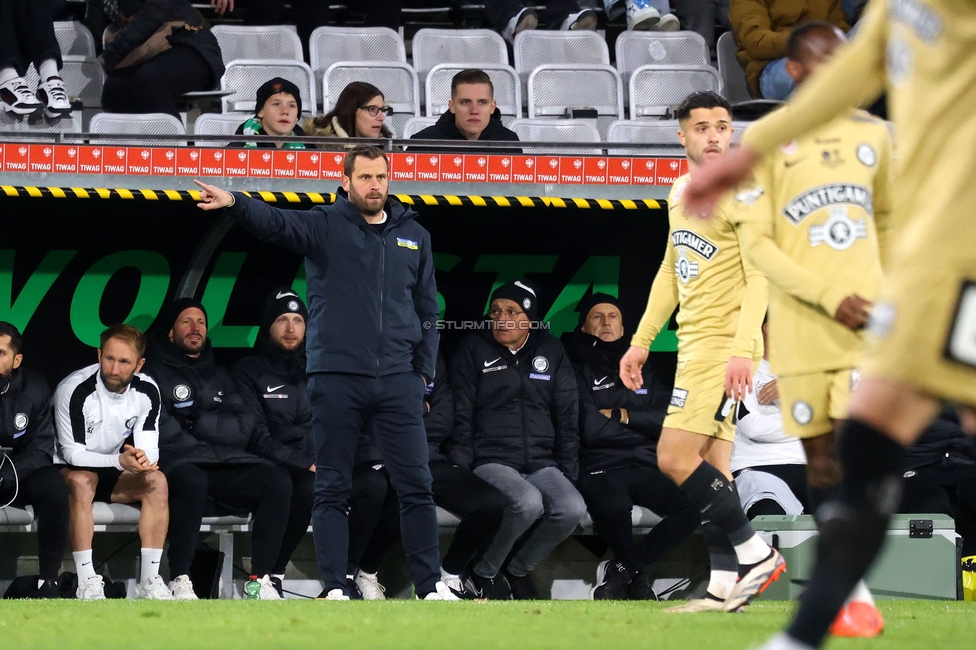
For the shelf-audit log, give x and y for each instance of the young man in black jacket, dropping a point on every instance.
(516, 423)
(204, 440)
(372, 343)
(28, 475)
(618, 453)
(472, 114)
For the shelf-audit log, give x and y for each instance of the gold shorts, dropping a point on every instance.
(809, 402)
(698, 402)
(923, 331)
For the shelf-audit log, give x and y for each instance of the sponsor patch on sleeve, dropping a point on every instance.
(407, 243)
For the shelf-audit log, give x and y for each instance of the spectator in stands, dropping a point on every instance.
(26, 37)
(472, 114)
(644, 15)
(510, 17)
(277, 108)
(96, 410)
(769, 466)
(458, 490)
(702, 16)
(618, 454)
(205, 436)
(762, 29)
(160, 49)
(358, 113)
(28, 475)
(516, 423)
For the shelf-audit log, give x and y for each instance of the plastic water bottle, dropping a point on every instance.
(252, 589)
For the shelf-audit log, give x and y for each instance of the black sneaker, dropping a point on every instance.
(522, 587)
(612, 581)
(640, 588)
(276, 583)
(49, 589)
(353, 589)
(495, 588)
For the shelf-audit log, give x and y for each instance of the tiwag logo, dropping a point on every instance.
(826, 195)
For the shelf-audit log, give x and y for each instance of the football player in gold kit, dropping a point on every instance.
(812, 221)
(921, 347)
(723, 301)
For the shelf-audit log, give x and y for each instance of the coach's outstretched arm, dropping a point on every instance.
(296, 230)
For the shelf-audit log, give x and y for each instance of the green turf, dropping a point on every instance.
(243, 625)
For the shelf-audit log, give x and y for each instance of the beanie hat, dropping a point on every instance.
(283, 300)
(168, 315)
(273, 87)
(589, 302)
(523, 292)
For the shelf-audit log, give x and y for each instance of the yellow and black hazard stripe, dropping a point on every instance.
(416, 200)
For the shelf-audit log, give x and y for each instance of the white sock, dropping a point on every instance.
(861, 594)
(83, 565)
(280, 576)
(752, 550)
(6, 74)
(720, 583)
(48, 69)
(150, 563)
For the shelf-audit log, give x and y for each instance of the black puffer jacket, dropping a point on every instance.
(147, 16)
(439, 419)
(203, 419)
(446, 129)
(272, 386)
(25, 424)
(605, 443)
(517, 410)
(942, 444)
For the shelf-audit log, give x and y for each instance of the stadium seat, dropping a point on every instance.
(660, 135)
(216, 124)
(740, 130)
(734, 85)
(245, 76)
(556, 131)
(329, 45)
(464, 48)
(504, 79)
(74, 39)
(556, 90)
(535, 47)
(635, 49)
(264, 42)
(397, 81)
(656, 89)
(415, 124)
(147, 124)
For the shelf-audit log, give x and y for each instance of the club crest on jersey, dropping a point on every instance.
(684, 268)
(692, 241)
(21, 421)
(181, 392)
(826, 195)
(748, 197)
(802, 412)
(839, 231)
(865, 153)
(679, 397)
(540, 364)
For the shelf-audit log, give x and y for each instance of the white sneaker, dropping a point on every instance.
(523, 20)
(335, 594)
(182, 588)
(369, 586)
(91, 589)
(453, 582)
(153, 589)
(641, 15)
(697, 605)
(668, 23)
(580, 21)
(55, 98)
(441, 592)
(16, 97)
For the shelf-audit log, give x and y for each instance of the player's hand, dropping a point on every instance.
(213, 198)
(738, 378)
(769, 393)
(715, 177)
(222, 6)
(630, 367)
(134, 460)
(853, 312)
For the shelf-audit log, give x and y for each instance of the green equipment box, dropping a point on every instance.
(919, 559)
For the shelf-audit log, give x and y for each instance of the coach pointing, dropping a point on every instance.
(371, 347)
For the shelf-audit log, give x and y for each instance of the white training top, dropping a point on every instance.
(759, 436)
(93, 422)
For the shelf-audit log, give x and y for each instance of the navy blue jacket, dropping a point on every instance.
(26, 425)
(372, 300)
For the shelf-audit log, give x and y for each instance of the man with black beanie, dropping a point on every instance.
(619, 429)
(516, 424)
(204, 440)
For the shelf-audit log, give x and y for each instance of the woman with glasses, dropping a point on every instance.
(359, 112)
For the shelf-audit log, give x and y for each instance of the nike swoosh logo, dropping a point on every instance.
(597, 382)
(491, 363)
(271, 390)
(791, 163)
(86, 564)
(154, 562)
(282, 294)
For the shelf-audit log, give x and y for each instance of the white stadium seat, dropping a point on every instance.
(555, 90)
(258, 42)
(556, 131)
(656, 89)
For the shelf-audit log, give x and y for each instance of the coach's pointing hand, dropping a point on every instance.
(213, 198)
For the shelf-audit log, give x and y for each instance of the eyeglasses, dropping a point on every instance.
(497, 313)
(374, 110)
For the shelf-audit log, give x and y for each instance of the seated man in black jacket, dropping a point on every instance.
(618, 454)
(472, 114)
(28, 475)
(517, 423)
(204, 440)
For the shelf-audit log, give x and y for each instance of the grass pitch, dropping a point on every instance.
(916, 625)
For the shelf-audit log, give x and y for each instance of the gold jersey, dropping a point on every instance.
(811, 223)
(722, 297)
(923, 52)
